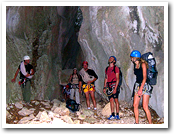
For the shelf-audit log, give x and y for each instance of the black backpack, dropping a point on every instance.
(120, 76)
(72, 105)
(151, 71)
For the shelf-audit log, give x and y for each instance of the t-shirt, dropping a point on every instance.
(91, 74)
(111, 74)
(28, 69)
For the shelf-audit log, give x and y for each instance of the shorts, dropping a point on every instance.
(115, 96)
(87, 88)
(147, 89)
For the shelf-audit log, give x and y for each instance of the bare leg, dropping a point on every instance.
(87, 99)
(146, 109)
(112, 104)
(117, 105)
(93, 98)
(136, 104)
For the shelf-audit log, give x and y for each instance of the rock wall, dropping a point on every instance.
(107, 31)
(48, 35)
(42, 33)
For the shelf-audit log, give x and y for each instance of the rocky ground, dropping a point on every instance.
(54, 112)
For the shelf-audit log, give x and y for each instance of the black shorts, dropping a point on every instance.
(115, 96)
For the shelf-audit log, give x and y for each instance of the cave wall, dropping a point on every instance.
(107, 31)
(45, 33)
(42, 33)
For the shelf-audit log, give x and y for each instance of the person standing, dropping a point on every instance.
(111, 82)
(74, 80)
(26, 73)
(141, 88)
(87, 80)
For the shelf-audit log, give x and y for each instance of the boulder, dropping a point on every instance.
(43, 117)
(106, 111)
(61, 111)
(26, 120)
(18, 105)
(56, 102)
(25, 112)
(67, 119)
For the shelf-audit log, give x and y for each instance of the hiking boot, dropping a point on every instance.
(117, 117)
(111, 117)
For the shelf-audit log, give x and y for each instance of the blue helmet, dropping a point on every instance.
(114, 58)
(135, 53)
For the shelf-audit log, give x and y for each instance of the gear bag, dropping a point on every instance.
(151, 71)
(72, 105)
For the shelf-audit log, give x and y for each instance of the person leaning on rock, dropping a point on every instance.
(26, 73)
(74, 80)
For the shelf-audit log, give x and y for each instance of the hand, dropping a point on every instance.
(104, 90)
(13, 80)
(139, 92)
(114, 91)
(89, 82)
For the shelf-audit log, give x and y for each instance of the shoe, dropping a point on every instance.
(95, 108)
(117, 117)
(111, 117)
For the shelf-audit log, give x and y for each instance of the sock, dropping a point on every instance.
(118, 114)
(113, 114)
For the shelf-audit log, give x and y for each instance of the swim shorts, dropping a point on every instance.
(87, 88)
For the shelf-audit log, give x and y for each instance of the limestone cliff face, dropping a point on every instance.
(49, 36)
(42, 33)
(117, 31)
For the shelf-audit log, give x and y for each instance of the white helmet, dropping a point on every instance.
(26, 57)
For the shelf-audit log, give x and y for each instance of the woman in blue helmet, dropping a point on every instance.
(141, 88)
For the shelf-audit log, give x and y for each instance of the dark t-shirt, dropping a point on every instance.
(28, 69)
(91, 73)
(139, 74)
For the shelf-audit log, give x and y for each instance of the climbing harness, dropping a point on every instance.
(110, 89)
(146, 89)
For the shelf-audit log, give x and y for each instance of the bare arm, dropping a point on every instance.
(80, 85)
(89, 82)
(105, 81)
(32, 72)
(16, 74)
(70, 78)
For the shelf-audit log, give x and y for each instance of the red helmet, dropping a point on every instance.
(85, 62)
(67, 86)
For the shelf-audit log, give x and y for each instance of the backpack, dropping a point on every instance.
(120, 76)
(151, 71)
(72, 105)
